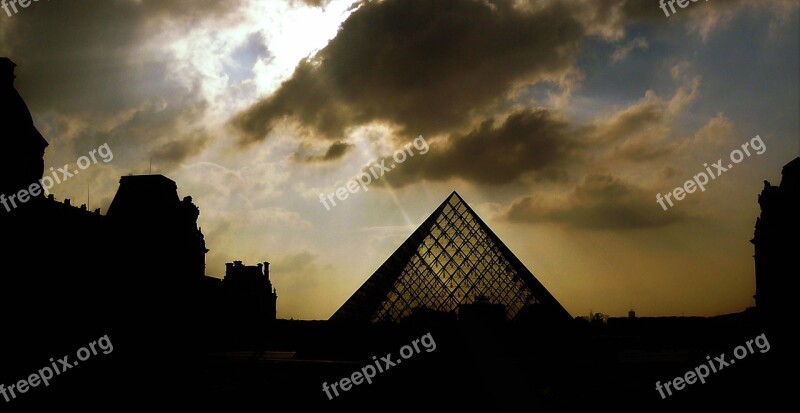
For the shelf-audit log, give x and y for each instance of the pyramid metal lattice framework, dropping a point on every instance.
(452, 259)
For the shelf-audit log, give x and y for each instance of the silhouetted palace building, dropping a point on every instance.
(138, 271)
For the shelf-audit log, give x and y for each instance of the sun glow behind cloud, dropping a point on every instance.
(265, 39)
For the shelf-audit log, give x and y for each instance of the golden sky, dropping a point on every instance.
(558, 121)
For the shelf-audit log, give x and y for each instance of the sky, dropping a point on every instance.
(558, 121)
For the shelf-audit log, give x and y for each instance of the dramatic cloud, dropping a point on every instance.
(543, 144)
(426, 66)
(527, 141)
(600, 202)
(630, 137)
(643, 130)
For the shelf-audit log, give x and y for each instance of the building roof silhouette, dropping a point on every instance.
(139, 194)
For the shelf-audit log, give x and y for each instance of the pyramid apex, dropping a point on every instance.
(454, 194)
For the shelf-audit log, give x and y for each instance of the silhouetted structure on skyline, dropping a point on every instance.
(452, 262)
(22, 146)
(150, 218)
(776, 235)
(250, 289)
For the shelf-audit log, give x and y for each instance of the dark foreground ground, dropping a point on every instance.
(468, 366)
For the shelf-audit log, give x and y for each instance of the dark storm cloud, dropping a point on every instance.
(427, 66)
(600, 202)
(527, 141)
(334, 152)
(432, 66)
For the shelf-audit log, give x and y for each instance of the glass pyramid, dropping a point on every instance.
(453, 259)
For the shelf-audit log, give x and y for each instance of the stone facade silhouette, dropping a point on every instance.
(21, 146)
(250, 288)
(776, 234)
